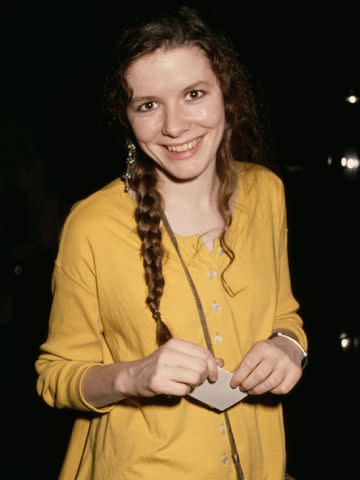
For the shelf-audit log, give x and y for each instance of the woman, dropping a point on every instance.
(125, 343)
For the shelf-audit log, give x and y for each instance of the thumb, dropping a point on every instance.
(220, 362)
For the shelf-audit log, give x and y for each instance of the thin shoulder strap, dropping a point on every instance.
(191, 282)
(234, 452)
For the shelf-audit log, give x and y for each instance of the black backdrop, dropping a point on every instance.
(57, 147)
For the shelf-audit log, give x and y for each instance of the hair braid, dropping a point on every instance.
(228, 180)
(147, 216)
(245, 137)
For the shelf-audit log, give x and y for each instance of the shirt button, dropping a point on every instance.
(222, 429)
(218, 339)
(212, 273)
(224, 459)
(216, 307)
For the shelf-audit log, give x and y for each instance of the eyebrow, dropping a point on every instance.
(193, 86)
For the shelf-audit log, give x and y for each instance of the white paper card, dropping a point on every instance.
(219, 395)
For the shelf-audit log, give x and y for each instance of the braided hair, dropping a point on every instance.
(242, 139)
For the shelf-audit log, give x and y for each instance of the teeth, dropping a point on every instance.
(182, 148)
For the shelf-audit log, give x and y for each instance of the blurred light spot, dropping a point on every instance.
(329, 161)
(350, 162)
(294, 168)
(345, 341)
(18, 270)
(352, 99)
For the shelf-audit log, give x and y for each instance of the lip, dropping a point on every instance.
(186, 153)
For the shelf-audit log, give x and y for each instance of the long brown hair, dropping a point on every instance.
(242, 139)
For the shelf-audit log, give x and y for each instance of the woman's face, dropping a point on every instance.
(176, 110)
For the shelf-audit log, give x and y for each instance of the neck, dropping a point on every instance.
(201, 191)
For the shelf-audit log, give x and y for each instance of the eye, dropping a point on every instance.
(195, 94)
(148, 106)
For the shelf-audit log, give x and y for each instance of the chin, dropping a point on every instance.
(181, 175)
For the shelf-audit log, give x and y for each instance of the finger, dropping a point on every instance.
(172, 359)
(196, 351)
(260, 373)
(187, 376)
(186, 347)
(284, 374)
(269, 383)
(288, 383)
(248, 364)
(280, 381)
(220, 362)
(168, 379)
(261, 351)
(176, 388)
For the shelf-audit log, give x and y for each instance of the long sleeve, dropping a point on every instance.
(75, 341)
(286, 316)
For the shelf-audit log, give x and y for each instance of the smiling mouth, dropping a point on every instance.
(184, 147)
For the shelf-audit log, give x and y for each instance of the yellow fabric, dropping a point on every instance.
(99, 316)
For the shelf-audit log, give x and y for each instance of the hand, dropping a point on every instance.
(173, 369)
(270, 366)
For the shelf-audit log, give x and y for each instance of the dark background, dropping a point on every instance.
(57, 146)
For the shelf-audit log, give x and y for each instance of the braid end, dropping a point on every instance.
(163, 333)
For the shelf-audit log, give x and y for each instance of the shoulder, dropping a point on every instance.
(91, 216)
(97, 206)
(254, 176)
(97, 201)
(260, 188)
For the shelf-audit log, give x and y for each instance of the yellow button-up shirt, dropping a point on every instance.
(99, 316)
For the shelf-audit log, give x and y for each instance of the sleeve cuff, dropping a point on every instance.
(86, 405)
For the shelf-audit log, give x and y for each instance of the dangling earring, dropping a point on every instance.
(130, 160)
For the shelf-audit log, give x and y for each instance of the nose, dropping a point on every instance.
(175, 121)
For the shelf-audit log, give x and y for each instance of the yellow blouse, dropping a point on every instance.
(99, 316)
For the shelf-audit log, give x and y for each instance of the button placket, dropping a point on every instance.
(216, 306)
(212, 274)
(222, 429)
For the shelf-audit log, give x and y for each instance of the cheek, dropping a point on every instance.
(212, 115)
(145, 129)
